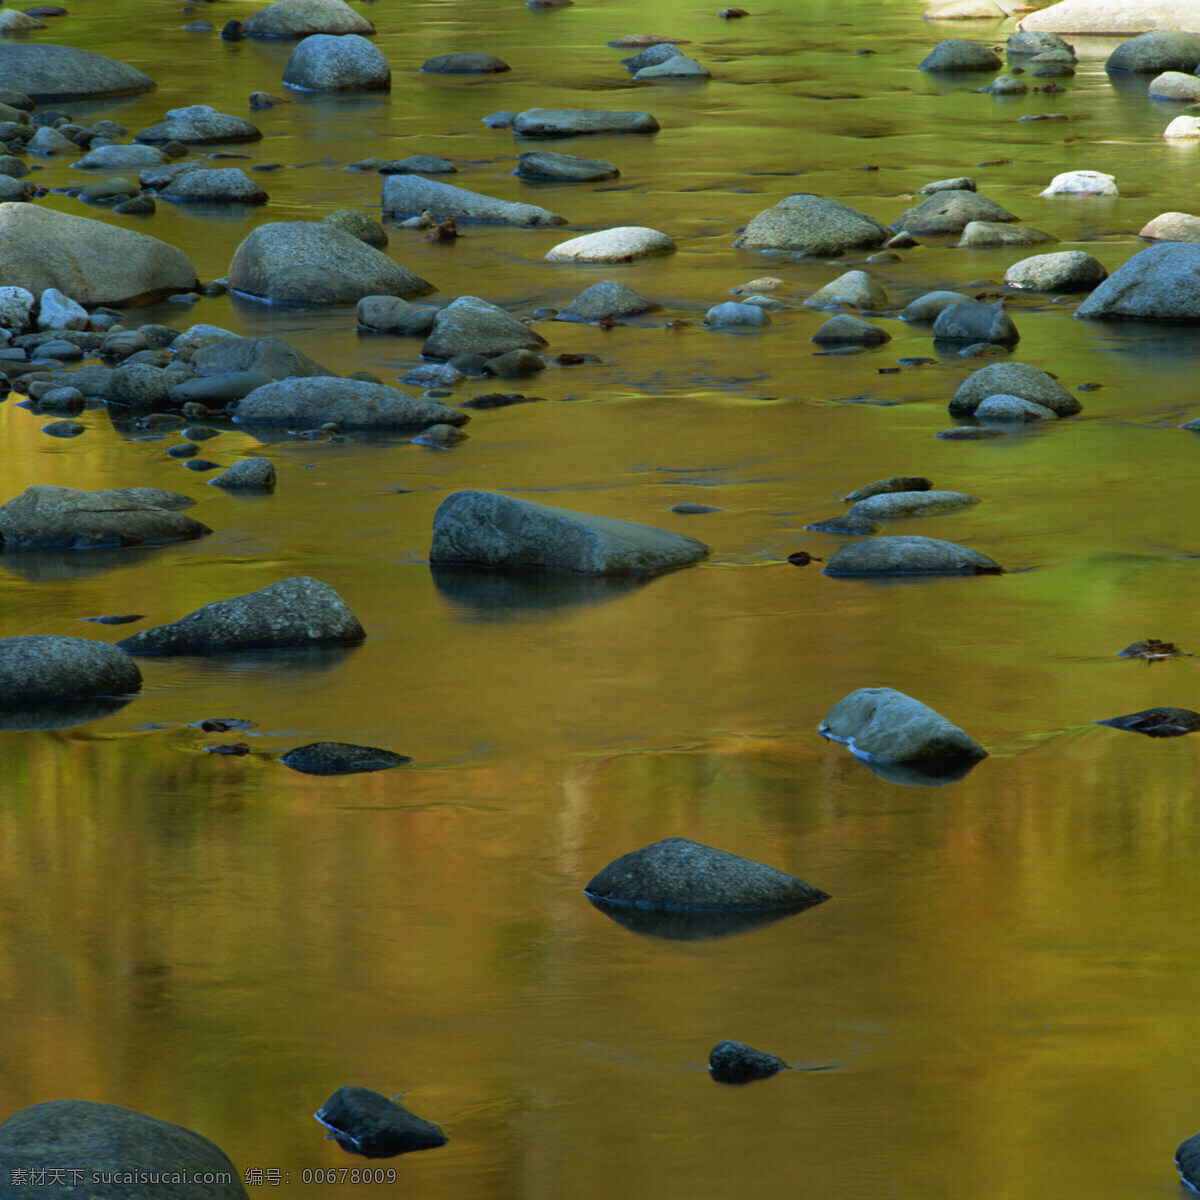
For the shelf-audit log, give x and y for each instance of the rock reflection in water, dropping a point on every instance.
(60, 714)
(689, 926)
(489, 594)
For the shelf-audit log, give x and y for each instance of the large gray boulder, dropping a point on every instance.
(563, 168)
(889, 726)
(350, 403)
(489, 530)
(267, 356)
(326, 63)
(47, 516)
(105, 1140)
(1112, 17)
(42, 669)
(567, 122)
(293, 614)
(1160, 283)
(309, 262)
(812, 225)
(950, 212)
(299, 18)
(473, 326)
(48, 74)
(1157, 51)
(90, 261)
(975, 323)
(680, 875)
(1013, 379)
(199, 124)
(1066, 271)
(955, 54)
(410, 195)
(909, 556)
(223, 185)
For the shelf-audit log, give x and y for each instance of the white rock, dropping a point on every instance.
(16, 303)
(1183, 127)
(1082, 183)
(1166, 227)
(1174, 85)
(57, 311)
(1112, 16)
(622, 244)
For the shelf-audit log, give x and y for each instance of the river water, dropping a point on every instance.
(1000, 995)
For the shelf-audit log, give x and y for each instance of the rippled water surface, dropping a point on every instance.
(1002, 989)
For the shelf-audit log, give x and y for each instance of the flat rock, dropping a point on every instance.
(677, 874)
(563, 168)
(328, 63)
(1066, 271)
(847, 526)
(250, 474)
(119, 157)
(993, 233)
(47, 516)
(950, 212)
(1082, 183)
(1013, 379)
(1161, 283)
(417, 164)
(960, 183)
(224, 185)
(735, 1062)
(367, 1123)
(622, 244)
(350, 403)
(49, 74)
(678, 66)
(887, 725)
(465, 62)
(473, 326)
(608, 298)
(1157, 51)
(91, 261)
(199, 124)
(1175, 85)
(898, 555)
(1112, 17)
(490, 530)
(1168, 227)
(293, 613)
(114, 1141)
(309, 262)
(855, 288)
(240, 361)
(568, 122)
(845, 329)
(299, 18)
(886, 506)
(955, 54)
(340, 758)
(410, 195)
(43, 669)
(811, 225)
(975, 323)
(893, 483)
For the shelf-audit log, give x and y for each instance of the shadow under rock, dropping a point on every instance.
(677, 926)
(497, 594)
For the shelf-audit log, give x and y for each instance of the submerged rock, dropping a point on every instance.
(735, 1062)
(43, 669)
(901, 555)
(410, 195)
(544, 164)
(887, 725)
(291, 614)
(490, 530)
(682, 875)
(340, 758)
(367, 1123)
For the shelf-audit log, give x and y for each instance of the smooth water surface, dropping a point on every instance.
(1001, 992)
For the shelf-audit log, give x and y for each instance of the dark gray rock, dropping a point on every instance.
(1013, 379)
(48, 74)
(47, 516)
(199, 124)
(292, 613)
(567, 122)
(418, 164)
(1160, 283)
(350, 403)
(812, 225)
(358, 224)
(215, 391)
(410, 195)
(1157, 51)
(267, 356)
(651, 56)
(300, 18)
(563, 168)
(473, 326)
(927, 307)
(950, 212)
(340, 758)
(1158, 722)
(42, 669)
(367, 1123)
(64, 429)
(490, 530)
(608, 298)
(465, 62)
(139, 385)
(909, 556)
(682, 875)
(105, 1140)
(850, 330)
(883, 724)
(735, 1062)
(955, 54)
(885, 506)
(894, 483)
(975, 323)
(308, 262)
(328, 63)
(687, 509)
(225, 185)
(249, 474)
(515, 362)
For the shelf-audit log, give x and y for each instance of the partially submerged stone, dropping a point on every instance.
(1158, 722)
(330, 63)
(855, 288)
(199, 124)
(470, 325)
(621, 244)
(341, 758)
(1006, 409)
(1172, 227)
(48, 74)
(44, 516)
(1066, 271)
(43, 669)
(910, 556)
(887, 725)
(678, 874)
(812, 225)
(1160, 283)
(950, 212)
(300, 18)
(608, 298)
(890, 505)
(349, 403)
(567, 122)
(955, 54)
(247, 474)
(994, 233)
(1175, 85)
(364, 1122)
(893, 483)
(1013, 379)
(410, 195)
(845, 329)
(927, 307)
(294, 613)
(546, 165)
(1082, 183)
(736, 1062)
(1158, 50)
(975, 323)
(465, 62)
(490, 530)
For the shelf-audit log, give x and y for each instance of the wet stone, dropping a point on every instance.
(340, 758)
(735, 1062)
(367, 1123)
(1158, 722)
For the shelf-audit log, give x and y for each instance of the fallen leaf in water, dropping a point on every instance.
(224, 724)
(237, 748)
(443, 231)
(802, 558)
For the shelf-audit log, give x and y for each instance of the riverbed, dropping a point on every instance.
(997, 1001)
